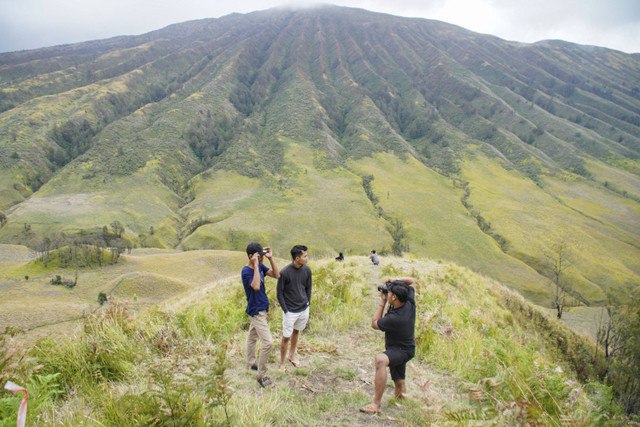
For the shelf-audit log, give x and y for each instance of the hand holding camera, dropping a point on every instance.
(267, 252)
(384, 293)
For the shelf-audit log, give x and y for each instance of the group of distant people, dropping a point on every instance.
(293, 290)
(375, 260)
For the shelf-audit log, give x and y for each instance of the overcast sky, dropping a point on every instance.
(28, 24)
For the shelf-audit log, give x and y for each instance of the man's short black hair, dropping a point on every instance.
(254, 247)
(373, 251)
(297, 250)
(399, 289)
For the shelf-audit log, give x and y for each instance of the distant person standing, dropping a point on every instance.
(374, 257)
(294, 296)
(257, 307)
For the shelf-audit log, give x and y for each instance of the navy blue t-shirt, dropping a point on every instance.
(256, 300)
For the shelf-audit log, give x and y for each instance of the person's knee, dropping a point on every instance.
(381, 360)
(285, 339)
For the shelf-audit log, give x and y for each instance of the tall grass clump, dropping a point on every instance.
(158, 369)
(106, 351)
(512, 372)
(216, 320)
(179, 391)
(337, 289)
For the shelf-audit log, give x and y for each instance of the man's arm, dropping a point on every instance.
(410, 281)
(273, 272)
(255, 282)
(308, 287)
(280, 292)
(379, 311)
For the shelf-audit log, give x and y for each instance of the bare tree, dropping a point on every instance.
(558, 261)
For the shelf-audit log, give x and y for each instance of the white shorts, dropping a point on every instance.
(291, 321)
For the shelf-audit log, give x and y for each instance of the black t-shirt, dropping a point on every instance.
(399, 325)
(294, 288)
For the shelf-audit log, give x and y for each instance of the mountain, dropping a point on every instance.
(340, 128)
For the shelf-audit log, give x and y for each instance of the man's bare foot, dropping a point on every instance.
(401, 396)
(282, 368)
(371, 408)
(295, 362)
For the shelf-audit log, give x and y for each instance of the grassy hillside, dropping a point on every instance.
(206, 134)
(439, 226)
(325, 209)
(32, 304)
(591, 219)
(185, 365)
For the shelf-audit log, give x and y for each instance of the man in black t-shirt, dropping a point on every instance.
(399, 339)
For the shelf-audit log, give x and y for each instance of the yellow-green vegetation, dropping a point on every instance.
(484, 356)
(325, 209)
(439, 226)
(604, 255)
(144, 277)
(615, 179)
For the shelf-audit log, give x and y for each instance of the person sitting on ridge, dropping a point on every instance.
(340, 257)
(374, 257)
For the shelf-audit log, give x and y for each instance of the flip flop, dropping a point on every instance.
(370, 409)
(295, 363)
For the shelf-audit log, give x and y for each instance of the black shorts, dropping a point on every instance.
(398, 358)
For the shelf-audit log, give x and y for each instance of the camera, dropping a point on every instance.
(383, 288)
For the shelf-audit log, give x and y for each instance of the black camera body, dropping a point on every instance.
(383, 288)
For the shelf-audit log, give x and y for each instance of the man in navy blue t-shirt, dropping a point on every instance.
(257, 306)
(398, 326)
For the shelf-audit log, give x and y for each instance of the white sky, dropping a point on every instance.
(27, 24)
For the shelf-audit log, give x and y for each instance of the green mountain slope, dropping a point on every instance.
(262, 126)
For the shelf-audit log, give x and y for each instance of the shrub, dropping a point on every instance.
(102, 298)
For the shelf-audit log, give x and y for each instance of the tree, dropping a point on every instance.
(619, 335)
(117, 228)
(399, 235)
(558, 260)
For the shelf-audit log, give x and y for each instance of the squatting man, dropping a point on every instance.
(398, 326)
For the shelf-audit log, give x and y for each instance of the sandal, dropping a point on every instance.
(265, 381)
